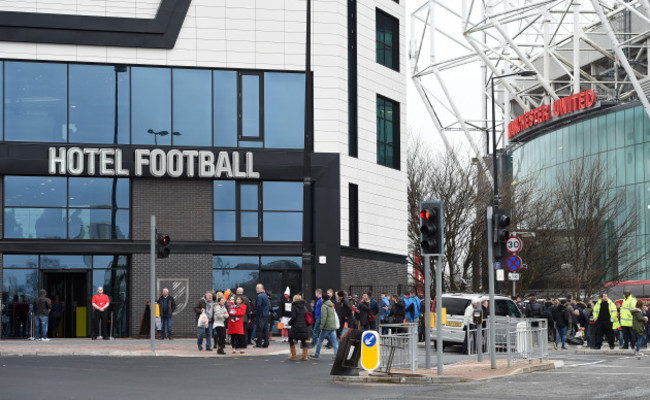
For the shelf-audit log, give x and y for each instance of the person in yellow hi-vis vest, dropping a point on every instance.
(629, 338)
(606, 317)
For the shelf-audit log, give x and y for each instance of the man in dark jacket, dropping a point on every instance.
(364, 312)
(167, 306)
(534, 309)
(344, 310)
(42, 307)
(262, 313)
(561, 316)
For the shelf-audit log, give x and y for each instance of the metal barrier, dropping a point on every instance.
(519, 339)
(399, 346)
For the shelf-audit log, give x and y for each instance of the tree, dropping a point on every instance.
(437, 177)
(597, 228)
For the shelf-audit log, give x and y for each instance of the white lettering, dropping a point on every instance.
(223, 165)
(250, 172)
(118, 164)
(174, 163)
(106, 161)
(158, 163)
(235, 166)
(140, 160)
(90, 157)
(57, 160)
(75, 161)
(206, 164)
(190, 157)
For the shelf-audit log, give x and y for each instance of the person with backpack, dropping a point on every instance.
(411, 307)
(533, 309)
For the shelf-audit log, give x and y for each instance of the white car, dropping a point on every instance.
(454, 305)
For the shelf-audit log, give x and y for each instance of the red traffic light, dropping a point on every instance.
(164, 239)
(427, 214)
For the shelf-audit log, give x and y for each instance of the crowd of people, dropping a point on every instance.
(246, 321)
(577, 322)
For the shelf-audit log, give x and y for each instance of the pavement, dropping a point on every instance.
(128, 348)
(463, 371)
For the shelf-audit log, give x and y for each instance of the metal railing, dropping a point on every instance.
(519, 339)
(399, 346)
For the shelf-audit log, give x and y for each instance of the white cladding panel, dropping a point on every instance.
(270, 34)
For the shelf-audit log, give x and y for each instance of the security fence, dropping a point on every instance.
(518, 339)
(399, 346)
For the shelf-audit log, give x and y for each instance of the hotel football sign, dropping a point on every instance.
(157, 163)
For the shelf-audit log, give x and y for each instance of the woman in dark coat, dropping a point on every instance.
(397, 313)
(299, 329)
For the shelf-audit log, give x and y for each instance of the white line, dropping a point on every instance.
(583, 364)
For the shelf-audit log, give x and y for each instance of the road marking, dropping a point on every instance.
(583, 364)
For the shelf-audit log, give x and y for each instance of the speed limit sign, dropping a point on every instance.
(513, 244)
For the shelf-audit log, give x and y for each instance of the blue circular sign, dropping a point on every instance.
(513, 263)
(369, 340)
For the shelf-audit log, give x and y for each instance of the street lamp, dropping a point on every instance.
(494, 131)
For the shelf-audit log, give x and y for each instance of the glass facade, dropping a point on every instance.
(66, 208)
(620, 140)
(78, 103)
(276, 273)
(23, 275)
(267, 211)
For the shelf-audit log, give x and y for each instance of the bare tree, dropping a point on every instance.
(597, 228)
(439, 178)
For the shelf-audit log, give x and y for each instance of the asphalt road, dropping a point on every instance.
(268, 378)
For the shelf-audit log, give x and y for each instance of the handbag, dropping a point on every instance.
(203, 320)
(309, 317)
(338, 323)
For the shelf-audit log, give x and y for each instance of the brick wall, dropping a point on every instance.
(183, 210)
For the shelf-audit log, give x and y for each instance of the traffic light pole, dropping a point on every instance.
(427, 313)
(490, 232)
(439, 342)
(152, 300)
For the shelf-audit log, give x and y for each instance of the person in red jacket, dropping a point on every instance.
(100, 304)
(236, 325)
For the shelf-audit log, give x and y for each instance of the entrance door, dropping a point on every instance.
(72, 290)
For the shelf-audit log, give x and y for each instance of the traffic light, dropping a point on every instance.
(431, 236)
(162, 245)
(500, 221)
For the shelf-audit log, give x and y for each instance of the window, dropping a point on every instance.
(160, 106)
(284, 110)
(275, 273)
(388, 135)
(251, 112)
(66, 208)
(100, 115)
(151, 96)
(354, 215)
(192, 97)
(36, 102)
(387, 29)
(225, 108)
(282, 218)
(237, 209)
(353, 145)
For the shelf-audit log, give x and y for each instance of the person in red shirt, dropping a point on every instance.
(100, 304)
(236, 325)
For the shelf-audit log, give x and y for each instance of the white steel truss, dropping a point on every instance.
(572, 45)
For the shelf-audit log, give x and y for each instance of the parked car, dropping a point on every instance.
(455, 304)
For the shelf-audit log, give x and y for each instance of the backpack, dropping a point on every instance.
(548, 312)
